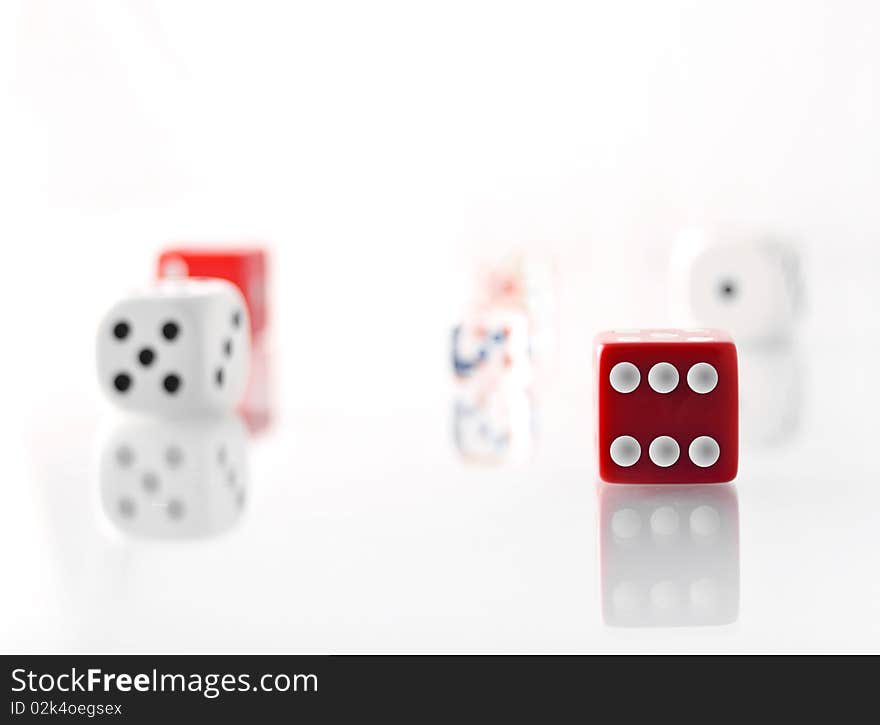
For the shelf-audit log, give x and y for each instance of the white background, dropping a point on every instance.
(379, 148)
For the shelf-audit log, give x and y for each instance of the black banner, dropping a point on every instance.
(400, 688)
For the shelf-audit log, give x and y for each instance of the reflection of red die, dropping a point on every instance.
(669, 555)
(667, 406)
(245, 267)
(256, 407)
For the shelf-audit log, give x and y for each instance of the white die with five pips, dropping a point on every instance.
(177, 348)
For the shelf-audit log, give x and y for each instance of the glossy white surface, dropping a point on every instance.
(365, 530)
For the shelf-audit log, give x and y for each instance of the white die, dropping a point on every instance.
(178, 348)
(751, 287)
(174, 479)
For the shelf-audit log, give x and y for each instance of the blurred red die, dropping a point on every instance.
(246, 267)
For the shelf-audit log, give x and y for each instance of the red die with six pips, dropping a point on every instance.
(667, 406)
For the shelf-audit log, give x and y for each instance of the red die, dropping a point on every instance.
(245, 267)
(667, 406)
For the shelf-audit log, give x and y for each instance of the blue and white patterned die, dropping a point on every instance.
(491, 347)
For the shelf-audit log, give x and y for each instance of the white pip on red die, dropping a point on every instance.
(181, 347)
(492, 347)
(669, 555)
(182, 478)
(750, 286)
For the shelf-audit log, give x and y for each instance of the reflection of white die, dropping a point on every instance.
(174, 479)
(180, 347)
(495, 426)
(751, 288)
(492, 346)
(771, 394)
(669, 555)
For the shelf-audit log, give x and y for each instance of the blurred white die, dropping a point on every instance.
(751, 287)
(669, 555)
(174, 479)
(491, 347)
(494, 427)
(178, 348)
